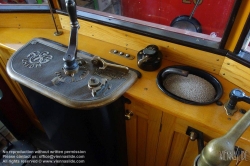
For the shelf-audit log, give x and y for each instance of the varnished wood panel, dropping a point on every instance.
(15, 88)
(145, 89)
(236, 73)
(244, 163)
(152, 142)
(190, 154)
(28, 20)
(142, 134)
(142, 140)
(238, 162)
(178, 148)
(19, 36)
(185, 55)
(234, 163)
(182, 125)
(143, 110)
(131, 134)
(209, 133)
(165, 139)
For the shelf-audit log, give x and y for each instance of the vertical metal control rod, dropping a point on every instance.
(56, 33)
(70, 64)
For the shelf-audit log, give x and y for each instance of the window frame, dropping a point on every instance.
(6, 8)
(157, 33)
(123, 24)
(243, 35)
(234, 55)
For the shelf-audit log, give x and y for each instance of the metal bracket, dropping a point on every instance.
(230, 111)
(196, 135)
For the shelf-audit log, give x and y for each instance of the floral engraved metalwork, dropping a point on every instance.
(36, 59)
(110, 74)
(62, 78)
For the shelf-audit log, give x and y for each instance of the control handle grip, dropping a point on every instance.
(71, 9)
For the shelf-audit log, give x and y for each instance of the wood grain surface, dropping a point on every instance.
(98, 40)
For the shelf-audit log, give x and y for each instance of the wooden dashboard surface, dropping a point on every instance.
(211, 117)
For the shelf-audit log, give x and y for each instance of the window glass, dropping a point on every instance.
(205, 19)
(245, 49)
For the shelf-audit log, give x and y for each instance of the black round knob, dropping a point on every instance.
(237, 93)
(149, 51)
(149, 59)
(235, 96)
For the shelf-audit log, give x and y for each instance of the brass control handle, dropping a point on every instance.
(99, 62)
(128, 114)
(114, 66)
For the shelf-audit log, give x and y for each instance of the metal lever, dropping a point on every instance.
(97, 61)
(128, 115)
(71, 9)
(144, 59)
(235, 96)
(70, 63)
(210, 154)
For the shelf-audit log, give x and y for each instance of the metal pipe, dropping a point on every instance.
(56, 33)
